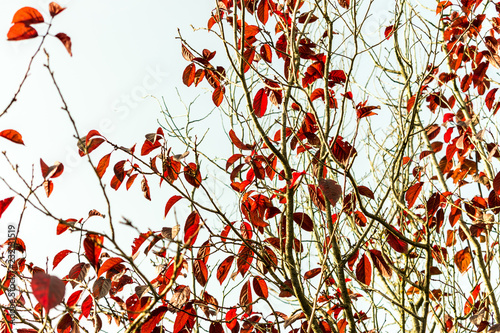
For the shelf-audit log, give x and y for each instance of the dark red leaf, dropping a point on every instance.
(364, 270)
(155, 317)
(260, 287)
(380, 263)
(304, 221)
(191, 228)
(48, 290)
(246, 298)
(331, 190)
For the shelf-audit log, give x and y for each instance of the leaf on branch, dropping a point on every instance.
(48, 290)
(21, 31)
(218, 95)
(224, 268)
(331, 190)
(412, 193)
(388, 32)
(260, 103)
(66, 40)
(344, 3)
(189, 74)
(246, 298)
(55, 9)
(364, 270)
(59, 257)
(463, 259)
(28, 15)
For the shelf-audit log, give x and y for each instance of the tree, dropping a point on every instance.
(363, 172)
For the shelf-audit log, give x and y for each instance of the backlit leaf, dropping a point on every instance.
(20, 31)
(12, 135)
(4, 204)
(48, 290)
(55, 9)
(463, 259)
(170, 203)
(412, 193)
(364, 270)
(260, 103)
(27, 15)
(224, 268)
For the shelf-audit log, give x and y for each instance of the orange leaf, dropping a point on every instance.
(463, 259)
(20, 31)
(189, 74)
(218, 95)
(66, 41)
(27, 15)
(108, 264)
(12, 135)
(103, 165)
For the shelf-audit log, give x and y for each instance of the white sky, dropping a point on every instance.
(122, 52)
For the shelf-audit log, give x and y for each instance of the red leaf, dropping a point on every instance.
(364, 270)
(265, 53)
(245, 257)
(312, 273)
(216, 327)
(20, 31)
(304, 221)
(12, 135)
(231, 318)
(192, 174)
(380, 263)
(246, 298)
(200, 272)
(260, 103)
(490, 98)
(397, 244)
(73, 299)
(412, 194)
(218, 95)
(92, 245)
(366, 111)
(103, 165)
(331, 190)
(191, 228)
(260, 287)
(87, 305)
(224, 268)
(27, 15)
(496, 184)
(189, 74)
(183, 317)
(47, 289)
(66, 41)
(108, 264)
(365, 191)
(388, 32)
(344, 3)
(55, 9)
(4, 204)
(170, 203)
(59, 257)
(237, 142)
(155, 317)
